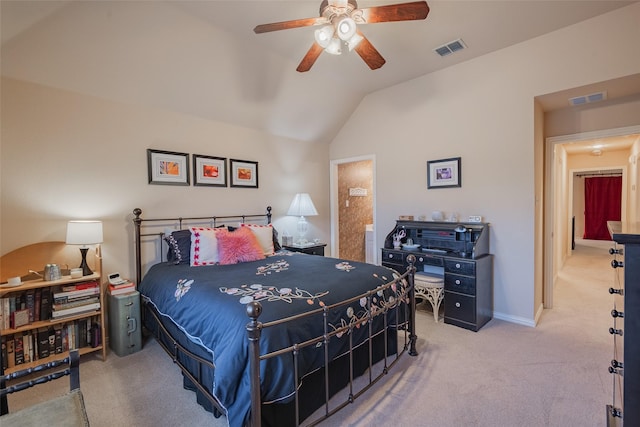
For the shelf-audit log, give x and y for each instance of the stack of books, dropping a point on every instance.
(76, 299)
(123, 287)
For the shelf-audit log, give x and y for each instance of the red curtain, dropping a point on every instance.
(602, 203)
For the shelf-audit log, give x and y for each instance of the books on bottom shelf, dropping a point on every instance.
(29, 346)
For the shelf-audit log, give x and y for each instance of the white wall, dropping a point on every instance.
(72, 156)
(483, 111)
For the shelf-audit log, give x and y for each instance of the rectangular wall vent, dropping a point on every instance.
(587, 99)
(450, 47)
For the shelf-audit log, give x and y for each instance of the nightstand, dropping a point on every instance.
(311, 249)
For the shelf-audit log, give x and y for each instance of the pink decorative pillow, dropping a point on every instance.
(238, 246)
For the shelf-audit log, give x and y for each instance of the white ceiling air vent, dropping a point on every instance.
(450, 47)
(587, 99)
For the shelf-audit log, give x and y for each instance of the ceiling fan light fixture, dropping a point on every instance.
(324, 35)
(346, 28)
(354, 41)
(334, 47)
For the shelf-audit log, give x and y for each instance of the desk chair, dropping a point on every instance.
(67, 410)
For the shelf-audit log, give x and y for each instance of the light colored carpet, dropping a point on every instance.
(504, 375)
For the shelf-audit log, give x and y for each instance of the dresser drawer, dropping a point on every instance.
(459, 307)
(392, 259)
(462, 284)
(467, 268)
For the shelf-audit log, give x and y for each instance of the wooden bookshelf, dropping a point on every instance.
(92, 316)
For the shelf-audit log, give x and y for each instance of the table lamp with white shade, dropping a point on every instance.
(84, 233)
(302, 206)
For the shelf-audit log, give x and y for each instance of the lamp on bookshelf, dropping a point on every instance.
(84, 233)
(302, 206)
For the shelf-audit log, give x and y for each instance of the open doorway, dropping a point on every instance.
(352, 209)
(564, 156)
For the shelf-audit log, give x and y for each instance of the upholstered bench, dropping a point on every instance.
(431, 288)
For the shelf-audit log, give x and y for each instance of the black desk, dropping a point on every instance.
(461, 257)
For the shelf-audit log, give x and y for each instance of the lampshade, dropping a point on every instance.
(84, 232)
(324, 35)
(345, 28)
(302, 206)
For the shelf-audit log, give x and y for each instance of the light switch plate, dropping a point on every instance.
(475, 218)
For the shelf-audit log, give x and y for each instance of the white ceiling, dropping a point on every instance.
(485, 26)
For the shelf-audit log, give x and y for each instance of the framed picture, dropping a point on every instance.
(445, 173)
(168, 167)
(210, 171)
(243, 173)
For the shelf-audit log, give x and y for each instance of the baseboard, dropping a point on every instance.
(539, 313)
(514, 319)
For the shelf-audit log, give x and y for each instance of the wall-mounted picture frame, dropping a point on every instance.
(244, 173)
(444, 173)
(168, 167)
(209, 171)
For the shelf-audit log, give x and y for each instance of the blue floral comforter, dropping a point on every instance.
(208, 304)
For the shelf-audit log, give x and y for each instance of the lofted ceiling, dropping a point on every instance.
(255, 74)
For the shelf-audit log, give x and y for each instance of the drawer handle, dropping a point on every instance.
(457, 265)
(421, 259)
(458, 304)
(390, 255)
(457, 282)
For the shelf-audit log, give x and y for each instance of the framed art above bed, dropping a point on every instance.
(209, 171)
(168, 167)
(244, 173)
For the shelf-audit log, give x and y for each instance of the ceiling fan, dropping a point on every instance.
(338, 28)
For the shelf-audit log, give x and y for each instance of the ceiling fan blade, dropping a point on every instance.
(310, 58)
(286, 25)
(393, 12)
(369, 54)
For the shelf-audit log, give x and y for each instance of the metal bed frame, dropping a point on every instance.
(404, 328)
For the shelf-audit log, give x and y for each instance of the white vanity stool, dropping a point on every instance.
(430, 288)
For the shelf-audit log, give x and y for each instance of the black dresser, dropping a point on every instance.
(458, 252)
(625, 328)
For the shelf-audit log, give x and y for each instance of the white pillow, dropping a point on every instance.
(204, 246)
(264, 234)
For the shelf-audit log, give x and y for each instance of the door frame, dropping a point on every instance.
(333, 195)
(552, 224)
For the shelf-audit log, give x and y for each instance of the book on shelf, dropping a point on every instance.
(19, 318)
(76, 303)
(11, 355)
(59, 341)
(57, 314)
(80, 286)
(38, 304)
(45, 304)
(43, 343)
(27, 339)
(31, 304)
(80, 295)
(122, 289)
(3, 345)
(18, 349)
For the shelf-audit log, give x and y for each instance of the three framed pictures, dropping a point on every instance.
(172, 168)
